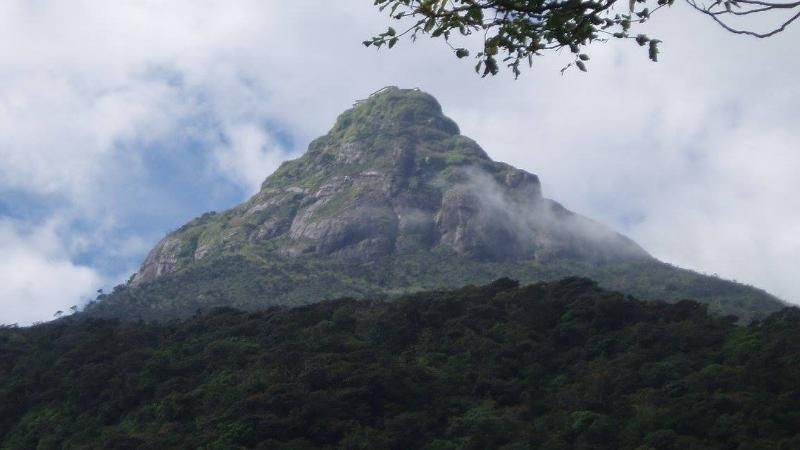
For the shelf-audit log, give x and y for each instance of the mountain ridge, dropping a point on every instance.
(394, 199)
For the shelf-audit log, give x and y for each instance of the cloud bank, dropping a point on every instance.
(36, 276)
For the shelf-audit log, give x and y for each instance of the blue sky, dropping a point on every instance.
(132, 117)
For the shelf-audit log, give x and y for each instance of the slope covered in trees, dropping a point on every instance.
(557, 365)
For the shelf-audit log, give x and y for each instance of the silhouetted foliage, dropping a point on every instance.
(563, 365)
(514, 32)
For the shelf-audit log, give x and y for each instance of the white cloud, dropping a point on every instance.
(36, 277)
(248, 154)
(58, 138)
(736, 218)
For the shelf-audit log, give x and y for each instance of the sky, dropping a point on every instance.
(120, 121)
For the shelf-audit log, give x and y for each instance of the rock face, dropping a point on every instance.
(161, 260)
(393, 175)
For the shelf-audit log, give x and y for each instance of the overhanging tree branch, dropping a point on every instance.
(514, 31)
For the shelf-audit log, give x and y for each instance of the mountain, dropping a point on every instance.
(394, 199)
(561, 365)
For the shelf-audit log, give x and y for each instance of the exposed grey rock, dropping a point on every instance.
(202, 250)
(473, 224)
(523, 184)
(348, 153)
(161, 260)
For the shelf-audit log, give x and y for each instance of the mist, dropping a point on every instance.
(518, 222)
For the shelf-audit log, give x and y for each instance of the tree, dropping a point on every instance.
(514, 31)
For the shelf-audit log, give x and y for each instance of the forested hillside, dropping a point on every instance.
(562, 365)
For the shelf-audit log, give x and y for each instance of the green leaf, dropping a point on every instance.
(581, 65)
(653, 51)
(462, 52)
(490, 67)
(475, 13)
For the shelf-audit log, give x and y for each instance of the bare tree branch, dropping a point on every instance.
(719, 9)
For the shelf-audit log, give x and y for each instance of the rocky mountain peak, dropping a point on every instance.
(393, 176)
(394, 199)
(390, 131)
(393, 111)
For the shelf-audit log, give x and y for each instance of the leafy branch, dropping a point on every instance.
(513, 32)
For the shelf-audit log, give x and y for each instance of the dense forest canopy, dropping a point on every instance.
(561, 365)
